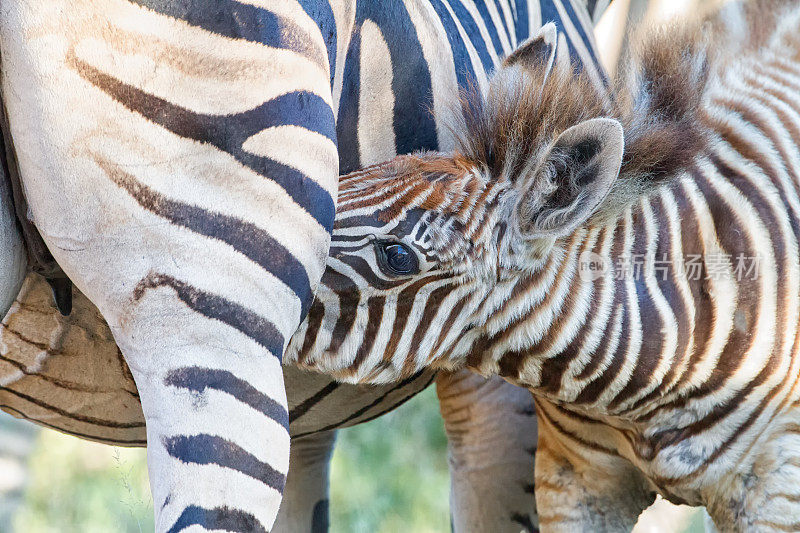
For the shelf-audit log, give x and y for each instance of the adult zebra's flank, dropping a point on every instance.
(633, 263)
(178, 159)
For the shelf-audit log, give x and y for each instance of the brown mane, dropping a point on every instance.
(656, 99)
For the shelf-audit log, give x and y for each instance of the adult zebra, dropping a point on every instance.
(649, 302)
(193, 105)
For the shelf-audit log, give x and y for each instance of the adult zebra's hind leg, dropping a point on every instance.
(491, 431)
(305, 499)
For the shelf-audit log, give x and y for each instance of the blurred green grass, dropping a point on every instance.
(82, 487)
(391, 474)
(387, 475)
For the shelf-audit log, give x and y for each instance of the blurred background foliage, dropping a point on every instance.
(76, 486)
(389, 475)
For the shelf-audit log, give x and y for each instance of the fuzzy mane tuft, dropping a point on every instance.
(657, 98)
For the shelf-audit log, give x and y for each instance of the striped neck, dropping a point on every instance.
(600, 319)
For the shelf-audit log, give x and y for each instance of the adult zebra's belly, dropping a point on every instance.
(67, 373)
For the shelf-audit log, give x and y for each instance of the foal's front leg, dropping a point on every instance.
(764, 496)
(581, 487)
(491, 430)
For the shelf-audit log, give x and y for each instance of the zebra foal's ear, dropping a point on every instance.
(536, 51)
(573, 178)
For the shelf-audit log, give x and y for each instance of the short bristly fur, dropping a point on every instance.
(656, 99)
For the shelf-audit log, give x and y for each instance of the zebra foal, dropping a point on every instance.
(633, 263)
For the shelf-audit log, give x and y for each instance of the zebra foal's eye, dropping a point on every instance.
(396, 259)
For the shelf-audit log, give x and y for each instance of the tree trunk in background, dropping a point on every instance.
(17, 442)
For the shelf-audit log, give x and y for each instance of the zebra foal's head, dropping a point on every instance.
(427, 249)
